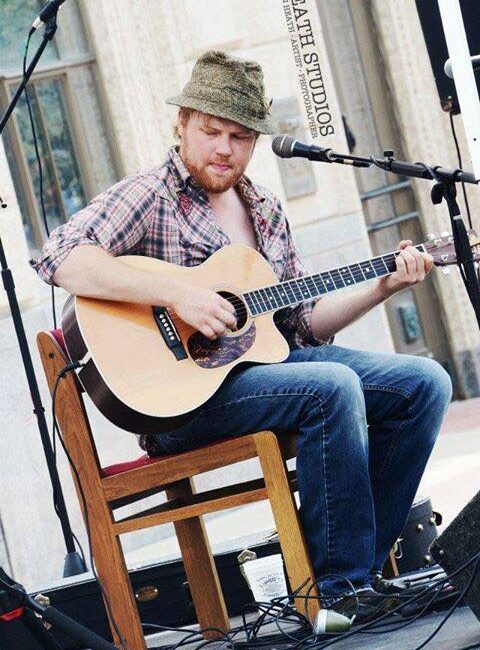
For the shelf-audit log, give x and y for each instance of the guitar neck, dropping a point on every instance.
(293, 292)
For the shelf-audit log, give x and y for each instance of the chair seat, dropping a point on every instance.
(143, 461)
(120, 468)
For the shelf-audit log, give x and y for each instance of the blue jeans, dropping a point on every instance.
(356, 482)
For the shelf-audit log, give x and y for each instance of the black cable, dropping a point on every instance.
(368, 626)
(454, 606)
(39, 164)
(459, 155)
(56, 431)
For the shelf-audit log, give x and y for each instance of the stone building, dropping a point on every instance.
(98, 103)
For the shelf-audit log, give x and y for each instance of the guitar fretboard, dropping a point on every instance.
(293, 292)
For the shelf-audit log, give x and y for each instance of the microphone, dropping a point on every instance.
(287, 147)
(47, 12)
(330, 622)
(448, 65)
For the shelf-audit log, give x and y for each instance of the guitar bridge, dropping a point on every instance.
(169, 332)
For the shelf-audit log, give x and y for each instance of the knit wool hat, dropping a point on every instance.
(224, 86)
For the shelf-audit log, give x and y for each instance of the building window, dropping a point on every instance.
(73, 139)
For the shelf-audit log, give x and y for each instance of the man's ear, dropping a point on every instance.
(180, 123)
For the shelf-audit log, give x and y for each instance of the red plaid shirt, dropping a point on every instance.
(163, 213)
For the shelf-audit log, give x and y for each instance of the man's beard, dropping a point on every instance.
(208, 180)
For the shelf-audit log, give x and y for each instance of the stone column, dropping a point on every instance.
(427, 137)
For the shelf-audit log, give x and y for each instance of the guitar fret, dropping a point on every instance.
(318, 278)
(329, 283)
(272, 297)
(256, 302)
(261, 301)
(250, 303)
(379, 266)
(305, 291)
(290, 291)
(347, 276)
(264, 297)
(359, 272)
(389, 261)
(297, 294)
(312, 287)
(283, 294)
(337, 279)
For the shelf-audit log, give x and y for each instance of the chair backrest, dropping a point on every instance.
(70, 409)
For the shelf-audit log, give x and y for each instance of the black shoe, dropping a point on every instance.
(367, 605)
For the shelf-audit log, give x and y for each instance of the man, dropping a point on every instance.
(356, 483)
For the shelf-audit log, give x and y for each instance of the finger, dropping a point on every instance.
(401, 267)
(218, 327)
(207, 331)
(428, 262)
(424, 262)
(410, 263)
(225, 304)
(229, 319)
(226, 317)
(404, 243)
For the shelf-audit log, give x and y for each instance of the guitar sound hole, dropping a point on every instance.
(239, 306)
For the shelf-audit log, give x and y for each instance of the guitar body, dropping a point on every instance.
(140, 383)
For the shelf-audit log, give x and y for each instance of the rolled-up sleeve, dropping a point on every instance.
(116, 220)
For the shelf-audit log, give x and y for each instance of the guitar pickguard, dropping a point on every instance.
(223, 350)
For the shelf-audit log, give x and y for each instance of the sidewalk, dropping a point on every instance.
(452, 477)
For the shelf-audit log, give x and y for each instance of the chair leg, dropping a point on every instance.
(199, 566)
(287, 520)
(113, 574)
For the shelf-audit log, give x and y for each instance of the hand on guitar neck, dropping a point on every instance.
(338, 311)
(412, 268)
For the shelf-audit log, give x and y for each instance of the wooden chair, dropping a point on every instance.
(108, 488)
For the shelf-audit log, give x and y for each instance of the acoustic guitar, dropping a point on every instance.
(148, 371)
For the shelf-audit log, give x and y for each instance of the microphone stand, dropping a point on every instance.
(444, 188)
(23, 613)
(74, 564)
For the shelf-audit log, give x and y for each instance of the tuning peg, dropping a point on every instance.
(445, 270)
(431, 236)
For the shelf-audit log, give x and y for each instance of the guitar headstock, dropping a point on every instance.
(442, 248)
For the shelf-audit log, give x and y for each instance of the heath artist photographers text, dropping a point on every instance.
(304, 38)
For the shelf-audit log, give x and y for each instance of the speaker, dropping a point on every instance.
(432, 28)
(458, 543)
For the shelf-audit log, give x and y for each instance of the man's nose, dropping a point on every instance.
(224, 146)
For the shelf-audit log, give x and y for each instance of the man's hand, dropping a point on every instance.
(412, 267)
(204, 310)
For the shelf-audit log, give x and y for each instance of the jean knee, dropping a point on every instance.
(436, 381)
(342, 389)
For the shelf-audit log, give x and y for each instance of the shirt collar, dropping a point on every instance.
(247, 189)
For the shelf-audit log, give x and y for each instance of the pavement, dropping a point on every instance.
(451, 479)
(452, 476)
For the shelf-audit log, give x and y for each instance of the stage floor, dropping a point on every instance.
(461, 632)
